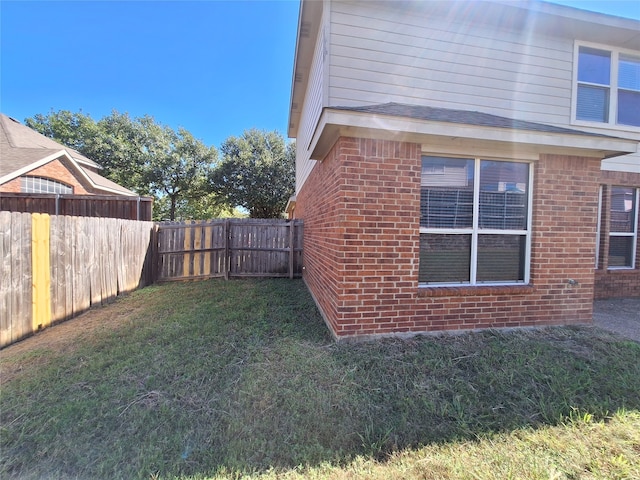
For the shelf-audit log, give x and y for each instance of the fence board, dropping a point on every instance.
(6, 312)
(111, 206)
(21, 278)
(229, 248)
(88, 257)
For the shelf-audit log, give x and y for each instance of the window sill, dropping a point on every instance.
(617, 127)
(474, 290)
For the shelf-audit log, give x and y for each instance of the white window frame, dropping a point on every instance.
(599, 227)
(634, 234)
(475, 231)
(613, 86)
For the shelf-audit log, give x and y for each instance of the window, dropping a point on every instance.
(623, 230)
(43, 185)
(608, 87)
(474, 221)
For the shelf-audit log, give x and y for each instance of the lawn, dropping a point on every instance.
(241, 379)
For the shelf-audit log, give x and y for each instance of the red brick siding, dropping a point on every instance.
(615, 283)
(361, 209)
(54, 170)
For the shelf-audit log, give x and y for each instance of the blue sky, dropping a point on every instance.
(215, 68)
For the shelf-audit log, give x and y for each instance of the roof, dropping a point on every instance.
(466, 117)
(22, 149)
(443, 127)
(22, 137)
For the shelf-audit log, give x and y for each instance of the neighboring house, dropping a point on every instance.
(33, 163)
(465, 165)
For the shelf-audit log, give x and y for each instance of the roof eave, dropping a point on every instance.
(309, 18)
(334, 124)
(64, 155)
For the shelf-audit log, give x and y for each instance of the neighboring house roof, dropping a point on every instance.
(22, 149)
(22, 137)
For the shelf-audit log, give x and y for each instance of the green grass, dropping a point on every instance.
(241, 379)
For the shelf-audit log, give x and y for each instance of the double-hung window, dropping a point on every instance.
(623, 230)
(474, 221)
(607, 86)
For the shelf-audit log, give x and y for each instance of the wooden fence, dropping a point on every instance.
(111, 206)
(55, 267)
(229, 248)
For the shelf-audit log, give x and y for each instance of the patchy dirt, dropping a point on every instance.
(620, 315)
(63, 337)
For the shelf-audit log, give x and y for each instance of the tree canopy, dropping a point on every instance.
(185, 177)
(140, 154)
(256, 172)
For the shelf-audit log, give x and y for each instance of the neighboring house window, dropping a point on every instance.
(608, 87)
(474, 221)
(623, 230)
(43, 185)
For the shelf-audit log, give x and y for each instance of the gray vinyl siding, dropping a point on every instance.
(627, 163)
(312, 109)
(378, 56)
(370, 53)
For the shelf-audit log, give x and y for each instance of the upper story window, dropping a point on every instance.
(43, 185)
(474, 221)
(607, 87)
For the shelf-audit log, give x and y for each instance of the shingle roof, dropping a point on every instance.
(422, 112)
(21, 146)
(18, 135)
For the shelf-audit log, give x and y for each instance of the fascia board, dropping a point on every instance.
(333, 124)
(309, 17)
(56, 156)
(33, 166)
(94, 184)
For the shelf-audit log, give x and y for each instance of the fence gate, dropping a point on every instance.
(229, 248)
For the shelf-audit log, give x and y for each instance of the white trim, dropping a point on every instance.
(336, 123)
(58, 156)
(598, 226)
(32, 166)
(635, 226)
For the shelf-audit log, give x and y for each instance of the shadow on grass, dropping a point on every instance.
(243, 376)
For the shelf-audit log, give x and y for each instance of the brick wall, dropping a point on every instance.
(615, 283)
(361, 208)
(55, 170)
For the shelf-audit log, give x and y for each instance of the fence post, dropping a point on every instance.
(227, 250)
(155, 253)
(291, 249)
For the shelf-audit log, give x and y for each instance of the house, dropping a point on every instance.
(465, 165)
(33, 163)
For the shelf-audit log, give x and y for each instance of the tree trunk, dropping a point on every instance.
(172, 212)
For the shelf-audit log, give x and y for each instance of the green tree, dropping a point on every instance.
(179, 167)
(257, 173)
(70, 129)
(142, 155)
